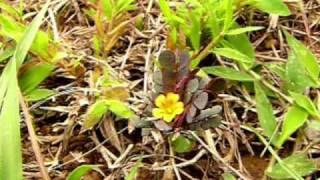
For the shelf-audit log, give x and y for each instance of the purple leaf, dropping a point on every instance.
(191, 114)
(167, 60)
(201, 100)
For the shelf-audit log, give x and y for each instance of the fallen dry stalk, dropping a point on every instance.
(184, 164)
(33, 138)
(217, 156)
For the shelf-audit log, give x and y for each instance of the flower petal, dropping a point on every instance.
(178, 111)
(160, 100)
(173, 97)
(157, 112)
(168, 117)
(179, 105)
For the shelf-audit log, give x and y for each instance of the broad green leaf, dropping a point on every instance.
(119, 108)
(242, 44)
(10, 142)
(294, 119)
(182, 144)
(31, 78)
(274, 154)
(228, 176)
(80, 171)
(297, 78)
(228, 73)
(232, 54)
(15, 30)
(95, 113)
(298, 163)
(305, 103)
(277, 7)
(39, 94)
(134, 170)
(305, 56)
(238, 31)
(265, 113)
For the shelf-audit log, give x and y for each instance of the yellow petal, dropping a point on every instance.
(179, 105)
(160, 100)
(178, 111)
(173, 97)
(158, 113)
(168, 117)
(178, 108)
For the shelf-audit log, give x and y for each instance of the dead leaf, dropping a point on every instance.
(111, 133)
(117, 93)
(168, 174)
(162, 126)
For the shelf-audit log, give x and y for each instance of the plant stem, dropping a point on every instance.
(270, 86)
(206, 51)
(270, 164)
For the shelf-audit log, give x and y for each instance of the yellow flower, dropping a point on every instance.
(168, 107)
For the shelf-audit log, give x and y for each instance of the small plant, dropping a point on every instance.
(111, 20)
(209, 27)
(181, 97)
(110, 99)
(38, 66)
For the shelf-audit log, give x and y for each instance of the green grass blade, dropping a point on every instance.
(10, 145)
(29, 35)
(228, 73)
(80, 171)
(10, 142)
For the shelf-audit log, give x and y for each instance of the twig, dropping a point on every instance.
(217, 156)
(88, 152)
(271, 87)
(173, 162)
(33, 138)
(147, 68)
(184, 164)
(123, 155)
